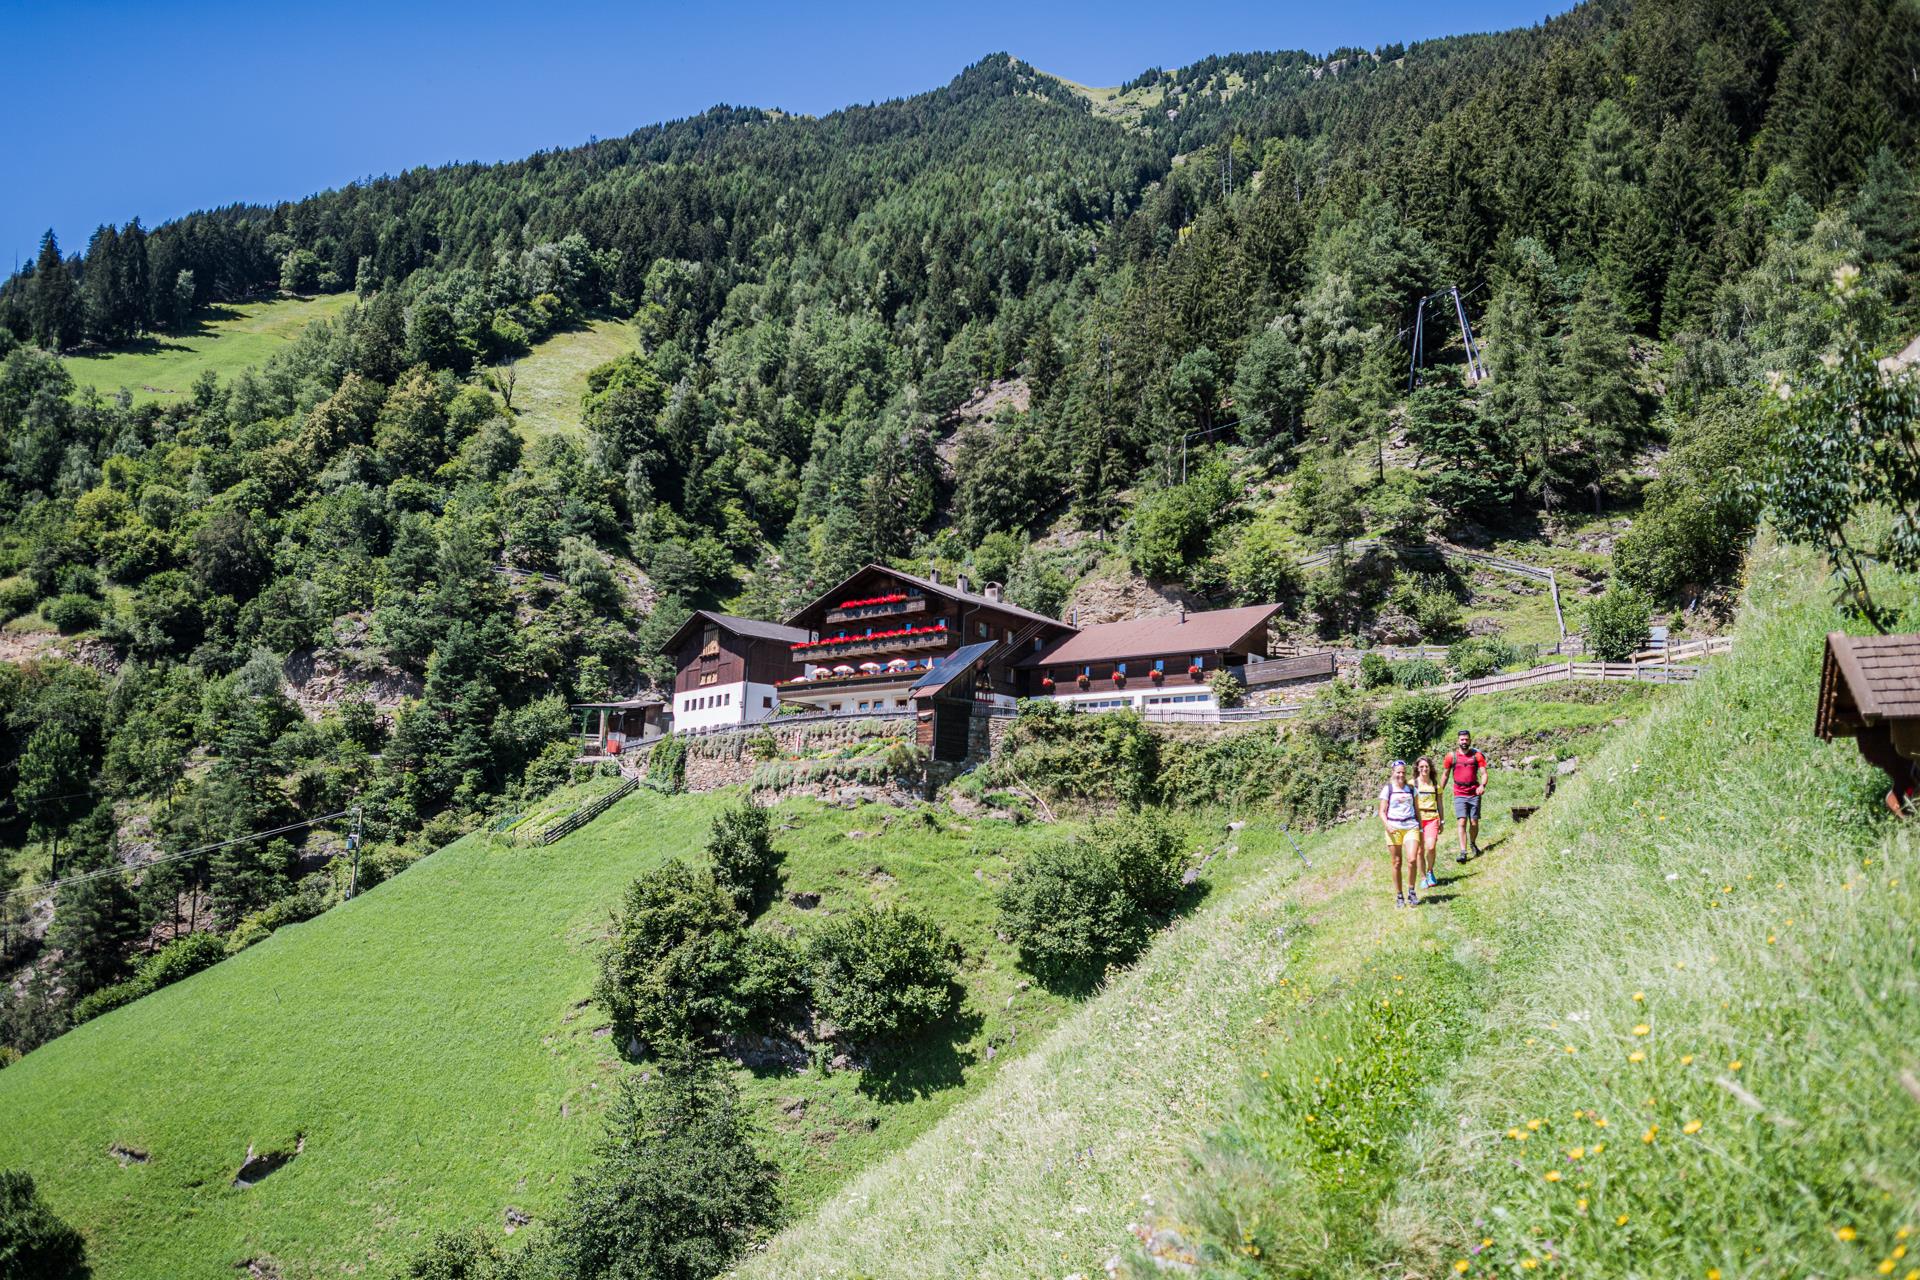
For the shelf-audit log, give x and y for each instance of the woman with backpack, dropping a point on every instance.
(1399, 814)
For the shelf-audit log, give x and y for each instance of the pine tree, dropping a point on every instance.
(55, 307)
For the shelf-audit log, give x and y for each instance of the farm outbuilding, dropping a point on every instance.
(1870, 692)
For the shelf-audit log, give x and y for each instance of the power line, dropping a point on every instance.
(175, 857)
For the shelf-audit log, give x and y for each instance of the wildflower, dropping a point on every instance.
(1691, 1126)
(1553, 1175)
(1686, 1059)
(1648, 1136)
(1514, 1134)
(1596, 1148)
(1575, 1153)
(1620, 1221)
(1642, 1029)
(1886, 1266)
(1903, 1233)
(1735, 1065)
(1845, 1235)
(1571, 1049)
(1535, 1124)
(1769, 939)
(1461, 1265)
(1636, 1056)
(1639, 997)
(1580, 1204)
(1713, 1273)
(1529, 1263)
(1599, 1122)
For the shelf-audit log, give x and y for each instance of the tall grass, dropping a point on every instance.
(1698, 1045)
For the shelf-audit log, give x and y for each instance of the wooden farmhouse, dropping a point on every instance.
(1870, 692)
(866, 643)
(728, 670)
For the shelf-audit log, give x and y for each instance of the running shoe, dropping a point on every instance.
(1462, 859)
(1413, 898)
(1399, 900)
(1431, 882)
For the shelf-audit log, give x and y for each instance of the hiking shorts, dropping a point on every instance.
(1430, 828)
(1467, 807)
(1396, 836)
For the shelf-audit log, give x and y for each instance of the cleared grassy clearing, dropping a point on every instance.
(1686, 1046)
(224, 339)
(552, 378)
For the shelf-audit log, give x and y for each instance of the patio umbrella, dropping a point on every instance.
(870, 667)
(843, 670)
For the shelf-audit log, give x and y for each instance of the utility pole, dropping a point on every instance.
(353, 843)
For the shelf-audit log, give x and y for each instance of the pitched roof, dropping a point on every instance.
(925, 584)
(753, 628)
(1878, 675)
(1168, 633)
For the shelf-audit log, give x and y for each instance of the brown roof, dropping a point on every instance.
(752, 628)
(1176, 633)
(1867, 679)
(926, 584)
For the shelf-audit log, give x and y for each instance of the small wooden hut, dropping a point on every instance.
(1870, 692)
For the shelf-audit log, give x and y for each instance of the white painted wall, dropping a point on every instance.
(724, 704)
(1139, 699)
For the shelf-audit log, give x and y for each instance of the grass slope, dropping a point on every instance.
(1679, 1041)
(552, 378)
(431, 1044)
(224, 339)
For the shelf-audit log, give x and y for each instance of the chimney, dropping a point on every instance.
(1183, 615)
(960, 583)
(991, 591)
(933, 575)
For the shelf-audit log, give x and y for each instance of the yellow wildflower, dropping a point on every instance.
(1844, 1234)
(1576, 1153)
(1686, 1059)
(1535, 1124)
(1691, 1126)
(1735, 1065)
(1529, 1263)
(1639, 997)
(1648, 1136)
(1553, 1175)
(1461, 1266)
(1600, 1122)
(1620, 1221)
(1641, 1029)
(1636, 1056)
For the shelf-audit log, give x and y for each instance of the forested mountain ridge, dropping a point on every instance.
(1641, 201)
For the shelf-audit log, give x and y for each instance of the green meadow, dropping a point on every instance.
(552, 378)
(223, 339)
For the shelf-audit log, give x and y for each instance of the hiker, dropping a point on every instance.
(1397, 815)
(1426, 804)
(1469, 769)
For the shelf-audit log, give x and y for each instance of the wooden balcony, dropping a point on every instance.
(866, 613)
(871, 646)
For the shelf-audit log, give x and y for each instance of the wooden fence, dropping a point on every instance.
(586, 813)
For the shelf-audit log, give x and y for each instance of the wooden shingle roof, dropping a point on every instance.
(1868, 680)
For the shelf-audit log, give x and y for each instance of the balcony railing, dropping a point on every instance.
(896, 608)
(857, 646)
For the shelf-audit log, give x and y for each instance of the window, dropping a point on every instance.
(766, 700)
(899, 702)
(983, 630)
(727, 700)
(833, 706)
(710, 641)
(709, 677)
(1036, 644)
(1119, 668)
(1159, 664)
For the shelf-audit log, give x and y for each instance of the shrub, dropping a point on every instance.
(667, 765)
(1100, 759)
(676, 1190)
(1418, 673)
(1430, 603)
(1075, 906)
(72, 612)
(741, 846)
(454, 1256)
(763, 746)
(17, 595)
(1226, 688)
(34, 1244)
(681, 966)
(1480, 656)
(1618, 623)
(1375, 671)
(883, 973)
(1412, 724)
(181, 958)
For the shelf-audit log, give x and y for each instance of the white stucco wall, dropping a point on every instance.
(726, 704)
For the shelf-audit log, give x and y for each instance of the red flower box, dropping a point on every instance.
(846, 638)
(1119, 680)
(892, 598)
(1156, 675)
(1046, 682)
(1082, 681)
(1194, 672)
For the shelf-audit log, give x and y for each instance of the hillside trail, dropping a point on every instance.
(1056, 1166)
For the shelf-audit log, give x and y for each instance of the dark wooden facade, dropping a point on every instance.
(886, 615)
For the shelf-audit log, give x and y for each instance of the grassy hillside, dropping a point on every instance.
(1662, 1030)
(224, 339)
(553, 376)
(431, 1044)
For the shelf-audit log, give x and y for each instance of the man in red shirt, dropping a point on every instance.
(1469, 769)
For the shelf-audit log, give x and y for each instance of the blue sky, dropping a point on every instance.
(153, 109)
